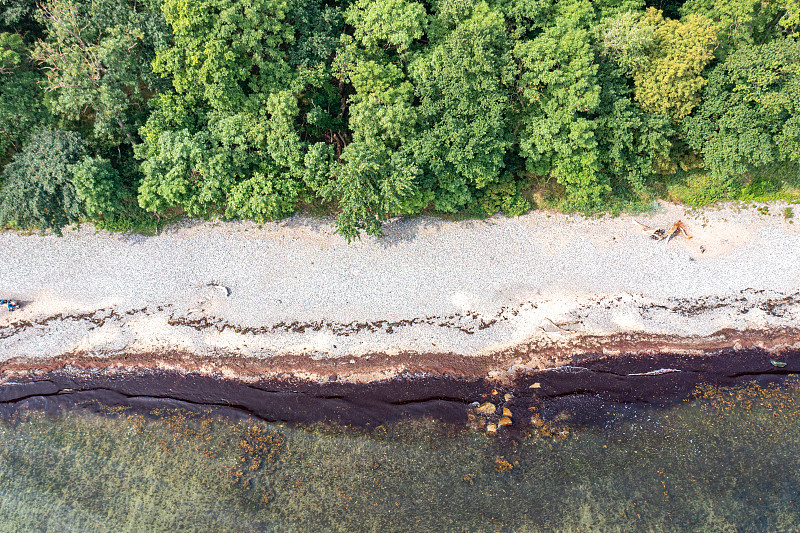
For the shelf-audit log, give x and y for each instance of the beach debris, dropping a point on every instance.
(486, 408)
(222, 288)
(777, 364)
(504, 421)
(660, 234)
(549, 326)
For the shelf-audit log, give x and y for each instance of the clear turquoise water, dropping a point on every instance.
(729, 461)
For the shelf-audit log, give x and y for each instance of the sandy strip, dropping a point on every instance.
(502, 291)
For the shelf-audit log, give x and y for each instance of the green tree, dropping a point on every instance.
(462, 81)
(428, 114)
(97, 56)
(559, 97)
(631, 142)
(745, 21)
(252, 90)
(750, 113)
(37, 185)
(99, 188)
(17, 16)
(376, 176)
(394, 23)
(627, 38)
(672, 80)
(790, 20)
(21, 108)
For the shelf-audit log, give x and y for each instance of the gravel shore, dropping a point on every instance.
(430, 286)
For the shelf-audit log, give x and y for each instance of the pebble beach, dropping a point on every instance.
(428, 287)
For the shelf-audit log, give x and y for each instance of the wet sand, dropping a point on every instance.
(587, 389)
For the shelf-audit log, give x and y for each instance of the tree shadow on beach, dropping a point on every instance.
(402, 230)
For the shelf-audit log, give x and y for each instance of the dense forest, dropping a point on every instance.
(122, 112)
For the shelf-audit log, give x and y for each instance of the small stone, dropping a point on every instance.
(506, 412)
(491, 429)
(508, 396)
(494, 392)
(505, 421)
(536, 385)
(486, 408)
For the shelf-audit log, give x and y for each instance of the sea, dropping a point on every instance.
(719, 459)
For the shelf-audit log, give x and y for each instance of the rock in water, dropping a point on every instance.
(486, 408)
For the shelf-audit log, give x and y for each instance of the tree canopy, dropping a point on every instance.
(371, 109)
(38, 191)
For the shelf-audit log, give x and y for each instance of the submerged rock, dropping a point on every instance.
(486, 408)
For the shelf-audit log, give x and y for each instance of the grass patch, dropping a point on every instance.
(780, 182)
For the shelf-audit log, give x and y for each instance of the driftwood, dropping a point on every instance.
(222, 288)
(660, 234)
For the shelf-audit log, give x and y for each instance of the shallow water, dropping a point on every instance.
(727, 460)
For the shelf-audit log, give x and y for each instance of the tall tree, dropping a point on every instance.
(462, 81)
(745, 21)
(97, 57)
(21, 109)
(750, 113)
(560, 95)
(672, 80)
(37, 190)
(252, 79)
(377, 175)
(633, 143)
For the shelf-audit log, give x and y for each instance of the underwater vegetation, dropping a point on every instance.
(725, 460)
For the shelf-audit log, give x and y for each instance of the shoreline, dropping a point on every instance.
(499, 367)
(478, 300)
(589, 390)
